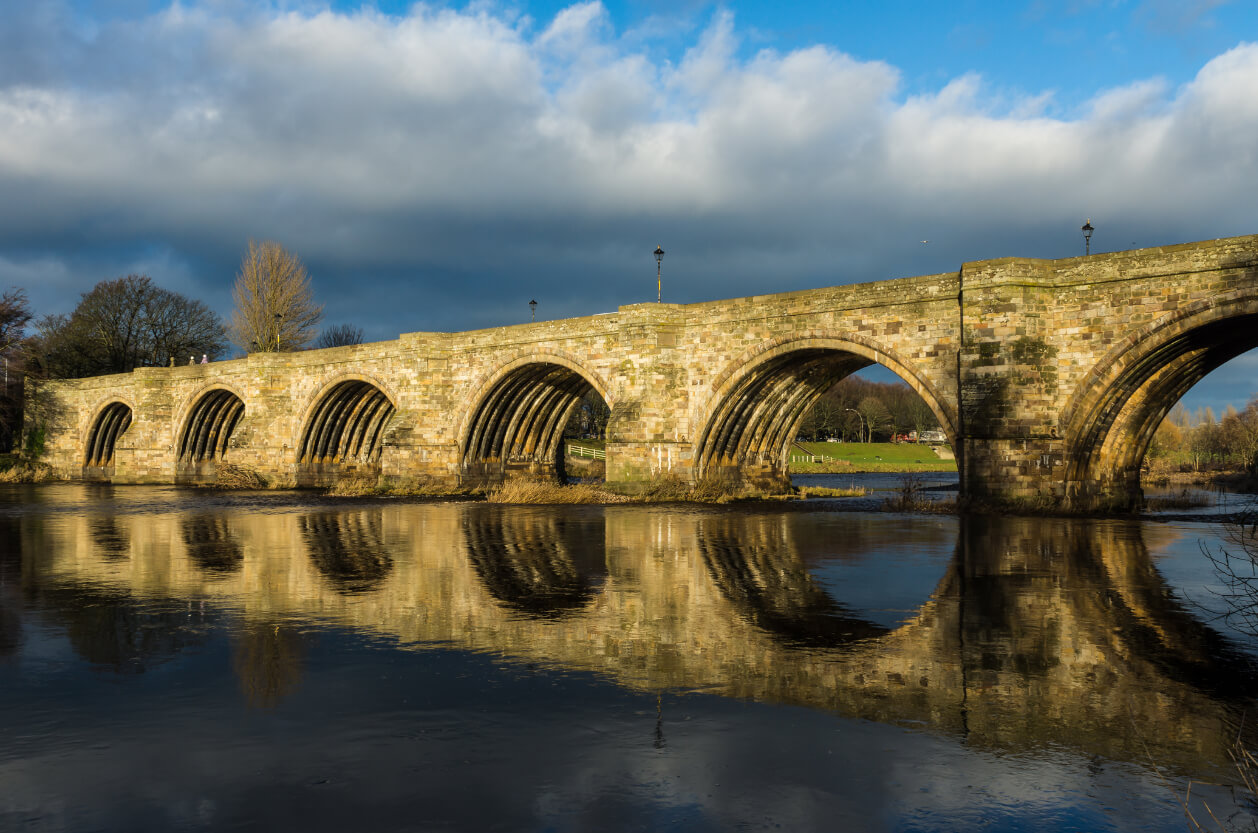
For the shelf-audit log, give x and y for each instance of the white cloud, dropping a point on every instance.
(443, 142)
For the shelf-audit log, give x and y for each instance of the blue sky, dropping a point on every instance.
(437, 166)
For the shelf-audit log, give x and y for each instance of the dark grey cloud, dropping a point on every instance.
(440, 169)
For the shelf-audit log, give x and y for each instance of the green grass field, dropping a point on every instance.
(871, 457)
(852, 457)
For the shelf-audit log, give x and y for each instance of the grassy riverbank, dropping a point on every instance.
(839, 458)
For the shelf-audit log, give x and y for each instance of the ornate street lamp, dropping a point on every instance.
(659, 260)
(1087, 237)
(533, 310)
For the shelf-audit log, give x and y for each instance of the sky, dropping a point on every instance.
(437, 166)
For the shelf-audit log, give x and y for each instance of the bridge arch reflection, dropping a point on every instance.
(541, 564)
(1028, 632)
(211, 544)
(348, 549)
(754, 563)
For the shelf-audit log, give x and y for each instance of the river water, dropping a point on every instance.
(174, 659)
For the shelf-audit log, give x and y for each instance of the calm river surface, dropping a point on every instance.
(172, 659)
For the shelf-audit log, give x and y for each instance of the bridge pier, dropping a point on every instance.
(633, 465)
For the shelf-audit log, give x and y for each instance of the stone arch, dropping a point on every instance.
(344, 425)
(1111, 418)
(758, 401)
(107, 424)
(518, 412)
(207, 424)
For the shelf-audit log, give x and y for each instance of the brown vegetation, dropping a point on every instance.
(228, 476)
(822, 491)
(26, 471)
(522, 490)
(912, 497)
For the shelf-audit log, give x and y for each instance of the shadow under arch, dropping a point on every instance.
(110, 423)
(1110, 421)
(343, 431)
(759, 400)
(545, 565)
(516, 421)
(206, 431)
(754, 564)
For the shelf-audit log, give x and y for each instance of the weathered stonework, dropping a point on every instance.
(1049, 378)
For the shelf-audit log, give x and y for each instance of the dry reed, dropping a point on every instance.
(523, 490)
(355, 485)
(822, 491)
(228, 476)
(27, 472)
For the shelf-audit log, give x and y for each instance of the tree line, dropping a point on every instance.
(862, 410)
(1198, 441)
(129, 322)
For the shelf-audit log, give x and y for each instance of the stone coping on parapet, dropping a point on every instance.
(1110, 267)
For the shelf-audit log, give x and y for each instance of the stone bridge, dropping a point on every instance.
(1049, 378)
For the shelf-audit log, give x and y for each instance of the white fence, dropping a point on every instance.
(582, 451)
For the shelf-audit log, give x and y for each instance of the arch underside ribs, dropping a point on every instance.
(346, 427)
(519, 424)
(1108, 452)
(755, 424)
(209, 427)
(112, 422)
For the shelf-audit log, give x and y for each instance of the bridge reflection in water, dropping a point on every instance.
(1038, 633)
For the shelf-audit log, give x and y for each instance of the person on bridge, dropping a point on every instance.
(192, 360)
(205, 359)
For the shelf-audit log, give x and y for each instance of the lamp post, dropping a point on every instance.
(1087, 237)
(862, 419)
(659, 261)
(533, 310)
(279, 317)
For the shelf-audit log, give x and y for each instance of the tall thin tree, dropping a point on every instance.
(275, 307)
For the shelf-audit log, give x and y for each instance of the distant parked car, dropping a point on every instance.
(935, 436)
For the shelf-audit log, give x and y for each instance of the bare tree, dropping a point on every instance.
(877, 417)
(14, 316)
(275, 308)
(341, 335)
(120, 325)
